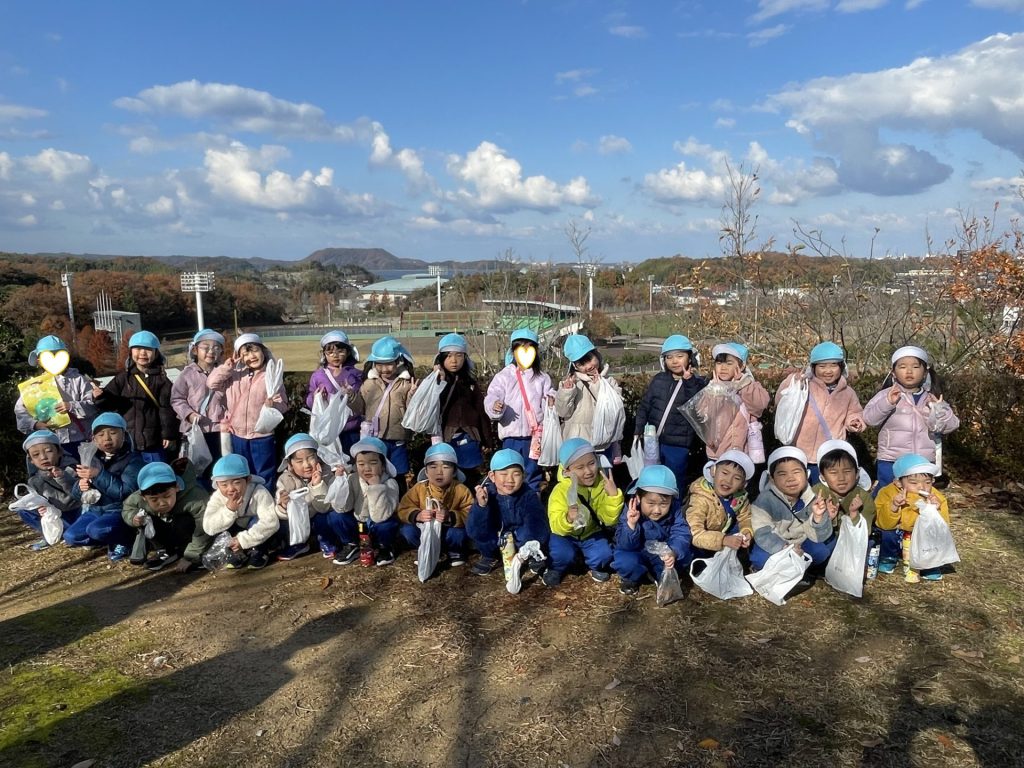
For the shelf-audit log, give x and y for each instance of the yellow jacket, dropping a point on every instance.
(904, 517)
(456, 500)
(707, 519)
(606, 508)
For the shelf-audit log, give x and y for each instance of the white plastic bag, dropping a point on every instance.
(269, 416)
(722, 575)
(609, 415)
(845, 569)
(931, 542)
(423, 414)
(430, 548)
(635, 460)
(779, 575)
(27, 500)
(298, 516)
(669, 589)
(216, 555)
(712, 411)
(529, 551)
(53, 526)
(338, 492)
(327, 417)
(195, 448)
(790, 410)
(225, 439)
(550, 439)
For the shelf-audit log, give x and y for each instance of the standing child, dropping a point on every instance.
(676, 383)
(439, 494)
(515, 399)
(371, 502)
(583, 505)
(652, 514)
(731, 367)
(832, 407)
(578, 394)
(504, 506)
(302, 468)
(844, 485)
(464, 422)
(241, 379)
(51, 474)
(242, 506)
(896, 512)
(718, 508)
(384, 397)
(142, 394)
(114, 475)
(175, 505)
(76, 399)
(192, 399)
(909, 414)
(787, 512)
(338, 373)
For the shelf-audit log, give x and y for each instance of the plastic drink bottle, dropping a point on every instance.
(873, 553)
(535, 436)
(366, 556)
(650, 445)
(508, 554)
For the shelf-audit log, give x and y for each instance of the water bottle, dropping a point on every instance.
(366, 556)
(874, 551)
(508, 553)
(535, 442)
(650, 445)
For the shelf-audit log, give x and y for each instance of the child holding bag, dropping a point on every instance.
(242, 506)
(844, 486)
(676, 383)
(51, 474)
(582, 396)
(371, 500)
(192, 399)
(338, 373)
(464, 422)
(718, 508)
(302, 468)
(731, 369)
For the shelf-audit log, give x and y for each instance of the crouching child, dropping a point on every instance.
(242, 506)
(718, 508)
(301, 468)
(51, 474)
(371, 502)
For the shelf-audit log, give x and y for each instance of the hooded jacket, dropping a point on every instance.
(605, 508)
(149, 423)
(76, 391)
(838, 408)
(707, 518)
(903, 427)
(288, 481)
(256, 503)
(188, 510)
(504, 388)
(755, 398)
(188, 393)
(671, 529)
(59, 491)
(777, 523)
(575, 407)
(118, 478)
(245, 393)
(519, 513)
(677, 431)
(349, 376)
(370, 396)
(462, 410)
(455, 500)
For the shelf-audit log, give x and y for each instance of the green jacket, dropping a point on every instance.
(867, 510)
(191, 504)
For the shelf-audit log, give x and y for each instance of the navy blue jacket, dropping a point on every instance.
(672, 529)
(520, 514)
(118, 479)
(677, 431)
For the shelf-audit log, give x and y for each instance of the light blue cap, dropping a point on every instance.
(452, 342)
(573, 449)
(657, 479)
(387, 349)
(676, 343)
(158, 473)
(577, 347)
(208, 334)
(144, 339)
(46, 344)
(827, 352)
(297, 442)
(441, 452)
(40, 436)
(732, 348)
(369, 445)
(506, 458)
(109, 419)
(524, 334)
(913, 464)
(229, 467)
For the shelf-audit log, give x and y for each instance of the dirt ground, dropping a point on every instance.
(307, 663)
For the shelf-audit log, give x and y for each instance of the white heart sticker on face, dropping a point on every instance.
(525, 355)
(54, 362)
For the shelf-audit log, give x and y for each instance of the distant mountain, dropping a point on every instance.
(373, 259)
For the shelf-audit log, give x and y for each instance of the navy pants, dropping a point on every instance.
(883, 474)
(635, 565)
(454, 539)
(675, 457)
(819, 553)
(532, 472)
(485, 536)
(595, 550)
(261, 455)
(93, 528)
(382, 534)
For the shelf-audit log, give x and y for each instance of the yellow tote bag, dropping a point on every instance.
(40, 396)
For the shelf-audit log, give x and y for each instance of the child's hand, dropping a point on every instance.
(899, 499)
(86, 473)
(339, 471)
(282, 498)
(633, 513)
(609, 484)
(425, 516)
(139, 519)
(41, 511)
(855, 507)
(83, 484)
(832, 508)
(818, 508)
(735, 541)
(96, 391)
(233, 545)
(551, 400)
(688, 373)
(856, 424)
(234, 504)
(440, 514)
(568, 383)
(317, 476)
(894, 394)
(481, 496)
(56, 472)
(61, 407)
(570, 513)
(669, 560)
(498, 406)
(747, 540)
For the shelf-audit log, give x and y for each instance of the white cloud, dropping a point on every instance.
(582, 91)
(628, 31)
(162, 208)
(912, 4)
(58, 164)
(725, 122)
(856, 6)
(11, 112)
(6, 164)
(406, 160)
(27, 221)
(27, 199)
(682, 184)
(614, 145)
(1000, 5)
(768, 9)
(574, 75)
(762, 36)
(494, 182)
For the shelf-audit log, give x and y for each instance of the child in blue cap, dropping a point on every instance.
(731, 369)
(338, 373)
(114, 475)
(142, 394)
(302, 467)
(653, 513)
(578, 395)
(504, 505)
(372, 500)
(242, 506)
(191, 397)
(76, 398)
(51, 474)
(174, 504)
(464, 422)
(582, 508)
(439, 494)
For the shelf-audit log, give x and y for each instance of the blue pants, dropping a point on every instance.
(635, 565)
(814, 475)
(883, 474)
(485, 536)
(148, 457)
(261, 454)
(891, 548)
(398, 452)
(100, 527)
(453, 539)
(596, 551)
(35, 522)
(531, 470)
(820, 553)
(676, 457)
(382, 534)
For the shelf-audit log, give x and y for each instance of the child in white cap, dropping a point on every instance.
(843, 484)
(718, 508)
(731, 368)
(51, 474)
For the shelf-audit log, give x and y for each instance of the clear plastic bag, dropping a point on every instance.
(298, 516)
(669, 588)
(328, 416)
(225, 439)
(218, 553)
(195, 449)
(779, 575)
(845, 569)
(430, 548)
(550, 439)
(790, 410)
(269, 416)
(722, 575)
(931, 544)
(609, 415)
(572, 499)
(423, 413)
(636, 460)
(87, 454)
(529, 551)
(939, 414)
(712, 411)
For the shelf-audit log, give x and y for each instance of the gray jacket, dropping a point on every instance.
(777, 523)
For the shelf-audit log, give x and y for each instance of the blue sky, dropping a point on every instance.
(459, 130)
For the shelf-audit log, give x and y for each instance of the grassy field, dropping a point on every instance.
(306, 663)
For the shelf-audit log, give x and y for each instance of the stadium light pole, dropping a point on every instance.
(554, 290)
(65, 280)
(198, 283)
(650, 280)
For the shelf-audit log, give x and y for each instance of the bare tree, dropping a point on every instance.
(577, 236)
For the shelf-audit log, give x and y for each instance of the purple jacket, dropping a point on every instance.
(904, 426)
(512, 420)
(187, 396)
(349, 376)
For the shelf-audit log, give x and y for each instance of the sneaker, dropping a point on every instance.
(537, 566)
(887, 564)
(326, 552)
(911, 576)
(932, 576)
(385, 556)
(258, 560)
(599, 576)
(161, 561)
(39, 546)
(119, 552)
(456, 559)
(485, 565)
(551, 578)
(347, 555)
(290, 553)
(236, 560)
(630, 588)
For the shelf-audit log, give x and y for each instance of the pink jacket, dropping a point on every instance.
(246, 393)
(513, 421)
(188, 395)
(905, 426)
(756, 398)
(837, 409)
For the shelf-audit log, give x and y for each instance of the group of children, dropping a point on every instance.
(122, 487)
